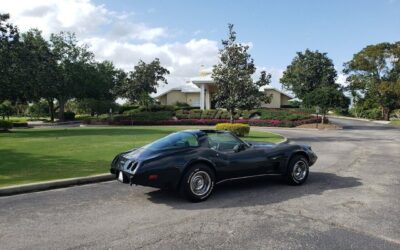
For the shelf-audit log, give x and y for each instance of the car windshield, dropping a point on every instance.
(175, 140)
(222, 141)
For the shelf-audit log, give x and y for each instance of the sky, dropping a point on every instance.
(187, 34)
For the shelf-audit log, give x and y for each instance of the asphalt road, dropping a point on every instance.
(351, 201)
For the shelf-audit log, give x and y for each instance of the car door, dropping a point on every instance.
(236, 163)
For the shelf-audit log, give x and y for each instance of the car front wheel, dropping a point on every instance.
(297, 170)
(198, 183)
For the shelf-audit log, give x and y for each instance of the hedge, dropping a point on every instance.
(144, 116)
(238, 129)
(200, 122)
(19, 124)
(5, 125)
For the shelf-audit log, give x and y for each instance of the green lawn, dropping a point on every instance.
(396, 122)
(33, 155)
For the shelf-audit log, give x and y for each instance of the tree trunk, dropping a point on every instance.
(232, 116)
(385, 113)
(61, 103)
(51, 108)
(323, 118)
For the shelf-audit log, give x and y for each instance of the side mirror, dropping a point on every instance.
(239, 147)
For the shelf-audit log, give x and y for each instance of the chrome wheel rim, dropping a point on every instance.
(200, 183)
(299, 171)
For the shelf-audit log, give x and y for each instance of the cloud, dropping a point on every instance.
(183, 60)
(79, 16)
(341, 79)
(119, 37)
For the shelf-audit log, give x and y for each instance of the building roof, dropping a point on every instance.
(187, 88)
(277, 90)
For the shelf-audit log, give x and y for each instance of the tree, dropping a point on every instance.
(374, 76)
(99, 96)
(11, 82)
(233, 78)
(143, 81)
(6, 109)
(40, 70)
(73, 63)
(312, 77)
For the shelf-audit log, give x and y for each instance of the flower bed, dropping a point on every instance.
(260, 123)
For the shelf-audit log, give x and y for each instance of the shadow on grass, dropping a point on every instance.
(22, 168)
(112, 131)
(257, 191)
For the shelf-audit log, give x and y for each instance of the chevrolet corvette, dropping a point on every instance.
(194, 161)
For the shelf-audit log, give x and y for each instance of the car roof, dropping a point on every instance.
(200, 132)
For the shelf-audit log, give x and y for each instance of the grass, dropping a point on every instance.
(34, 155)
(395, 122)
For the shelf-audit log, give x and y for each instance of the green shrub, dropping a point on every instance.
(208, 114)
(39, 109)
(195, 114)
(131, 111)
(19, 124)
(69, 116)
(124, 108)
(146, 116)
(182, 105)
(395, 114)
(5, 125)
(182, 114)
(238, 129)
(374, 114)
(156, 107)
(246, 114)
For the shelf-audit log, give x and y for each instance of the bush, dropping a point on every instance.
(145, 116)
(39, 109)
(238, 129)
(375, 114)
(208, 114)
(183, 105)
(5, 125)
(124, 108)
(69, 116)
(156, 107)
(19, 124)
(395, 114)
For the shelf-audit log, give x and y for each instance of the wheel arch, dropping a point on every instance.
(297, 153)
(206, 162)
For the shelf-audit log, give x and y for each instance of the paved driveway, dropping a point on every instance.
(351, 201)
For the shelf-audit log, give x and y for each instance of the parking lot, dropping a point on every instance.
(351, 201)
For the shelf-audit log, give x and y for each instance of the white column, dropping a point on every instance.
(202, 90)
(208, 97)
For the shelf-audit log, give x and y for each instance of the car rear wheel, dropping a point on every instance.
(297, 170)
(197, 183)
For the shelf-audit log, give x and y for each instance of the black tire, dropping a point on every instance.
(196, 175)
(297, 171)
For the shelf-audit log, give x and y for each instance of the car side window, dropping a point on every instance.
(174, 140)
(222, 141)
(186, 141)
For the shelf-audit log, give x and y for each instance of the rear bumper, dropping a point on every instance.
(152, 178)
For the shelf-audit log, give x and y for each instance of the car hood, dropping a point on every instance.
(262, 144)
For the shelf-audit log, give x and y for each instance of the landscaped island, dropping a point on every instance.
(33, 155)
(171, 115)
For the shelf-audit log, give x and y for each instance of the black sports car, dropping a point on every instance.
(193, 161)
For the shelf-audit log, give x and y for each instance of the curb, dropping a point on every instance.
(358, 119)
(285, 141)
(42, 186)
